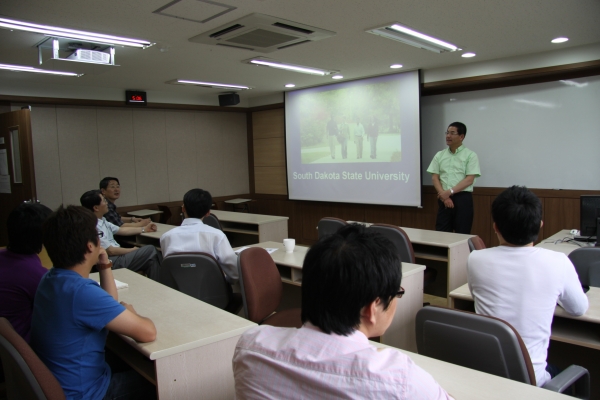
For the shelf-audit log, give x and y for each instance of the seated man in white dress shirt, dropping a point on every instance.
(193, 236)
(350, 281)
(143, 259)
(520, 283)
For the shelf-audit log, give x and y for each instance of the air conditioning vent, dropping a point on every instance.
(235, 47)
(226, 30)
(262, 33)
(292, 28)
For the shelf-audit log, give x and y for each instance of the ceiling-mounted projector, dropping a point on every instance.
(90, 56)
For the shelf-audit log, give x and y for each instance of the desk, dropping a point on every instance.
(153, 238)
(442, 248)
(191, 356)
(144, 213)
(243, 229)
(580, 331)
(401, 332)
(468, 384)
(565, 248)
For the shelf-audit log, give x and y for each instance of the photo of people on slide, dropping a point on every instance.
(359, 124)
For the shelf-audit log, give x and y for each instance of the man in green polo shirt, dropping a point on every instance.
(453, 172)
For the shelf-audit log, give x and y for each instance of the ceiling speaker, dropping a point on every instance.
(229, 99)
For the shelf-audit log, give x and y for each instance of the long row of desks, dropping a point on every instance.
(191, 356)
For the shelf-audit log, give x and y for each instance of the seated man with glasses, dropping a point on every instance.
(520, 283)
(143, 259)
(453, 172)
(350, 281)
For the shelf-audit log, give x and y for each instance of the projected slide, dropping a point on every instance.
(355, 142)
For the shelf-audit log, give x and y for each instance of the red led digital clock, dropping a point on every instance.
(135, 98)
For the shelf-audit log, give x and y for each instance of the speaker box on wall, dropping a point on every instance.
(229, 99)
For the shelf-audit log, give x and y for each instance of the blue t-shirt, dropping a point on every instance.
(68, 331)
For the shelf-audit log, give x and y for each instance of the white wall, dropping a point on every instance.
(157, 155)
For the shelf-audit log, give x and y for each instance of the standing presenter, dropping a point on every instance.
(453, 172)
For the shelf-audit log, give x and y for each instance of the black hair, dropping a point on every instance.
(24, 227)
(67, 233)
(90, 199)
(344, 272)
(460, 128)
(197, 203)
(517, 213)
(105, 181)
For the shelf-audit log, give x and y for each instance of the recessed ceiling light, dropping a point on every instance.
(266, 62)
(413, 38)
(559, 40)
(55, 31)
(468, 55)
(290, 85)
(396, 66)
(337, 77)
(23, 68)
(212, 84)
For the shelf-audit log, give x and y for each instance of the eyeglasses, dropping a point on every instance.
(100, 234)
(400, 293)
(451, 133)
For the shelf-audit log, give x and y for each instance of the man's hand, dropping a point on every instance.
(102, 257)
(144, 221)
(150, 228)
(449, 203)
(443, 195)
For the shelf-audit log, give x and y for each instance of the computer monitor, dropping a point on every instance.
(590, 215)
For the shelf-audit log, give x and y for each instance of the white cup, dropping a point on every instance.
(289, 245)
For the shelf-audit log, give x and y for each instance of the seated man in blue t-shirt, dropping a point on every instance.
(72, 314)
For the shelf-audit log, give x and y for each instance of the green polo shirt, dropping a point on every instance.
(454, 167)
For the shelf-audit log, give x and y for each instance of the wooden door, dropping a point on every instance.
(16, 165)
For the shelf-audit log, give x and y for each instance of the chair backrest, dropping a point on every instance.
(587, 264)
(476, 243)
(166, 213)
(329, 226)
(260, 283)
(474, 341)
(212, 220)
(400, 240)
(198, 275)
(27, 377)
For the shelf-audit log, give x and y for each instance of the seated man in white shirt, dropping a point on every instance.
(144, 258)
(521, 284)
(350, 281)
(193, 236)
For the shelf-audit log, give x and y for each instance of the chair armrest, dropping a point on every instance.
(568, 377)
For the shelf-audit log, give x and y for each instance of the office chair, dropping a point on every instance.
(200, 276)
(476, 243)
(262, 290)
(27, 377)
(212, 220)
(587, 264)
(329, 226)
(165, 217)
(486, 344)
(404, 249)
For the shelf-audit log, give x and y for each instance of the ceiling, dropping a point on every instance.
(491, 29)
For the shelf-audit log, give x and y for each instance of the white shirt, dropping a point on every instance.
(305, 363)
(193, 236)
(108, 230)
(521, 285)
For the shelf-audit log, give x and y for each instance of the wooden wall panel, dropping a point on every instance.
(117, 151)
(309, 213)
(151, 168)
(268, 124)
(269, 152)
(270, 180)
(482, 221)
(46, 160)
(182, 165)
(422, 218)
(560, 214)
(78, 151)
(383, 214)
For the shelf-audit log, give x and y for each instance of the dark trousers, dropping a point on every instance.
(145, 259)
(458, 219)
(125, 383)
